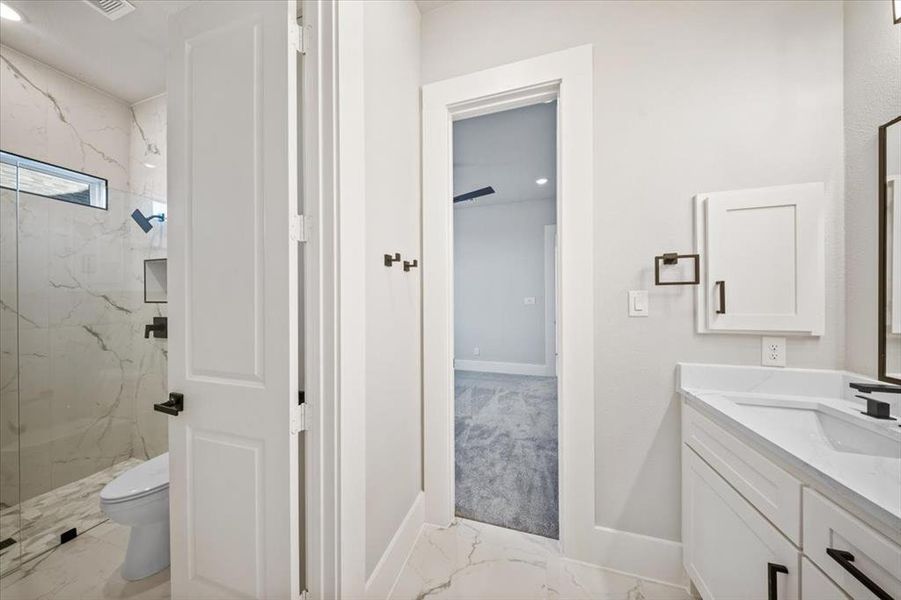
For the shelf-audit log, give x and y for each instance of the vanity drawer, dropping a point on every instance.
(816, 586)
(772, 490)
(826, 526)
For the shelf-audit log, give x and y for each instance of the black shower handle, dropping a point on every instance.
(173, 406)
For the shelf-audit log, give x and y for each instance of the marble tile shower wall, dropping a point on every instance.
(78, 382)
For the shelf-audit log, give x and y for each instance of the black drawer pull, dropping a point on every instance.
(173, 406)
(772, 570)
(845, 559)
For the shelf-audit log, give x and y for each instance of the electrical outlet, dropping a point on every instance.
(528, 300)
(773, 352)
(476, 351)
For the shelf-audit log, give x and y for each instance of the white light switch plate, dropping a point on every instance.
(772, 352)
(638, 303)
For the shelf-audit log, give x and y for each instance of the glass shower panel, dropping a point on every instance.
(80, 379)
(9, 385)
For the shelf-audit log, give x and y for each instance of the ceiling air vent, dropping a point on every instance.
(111, 9)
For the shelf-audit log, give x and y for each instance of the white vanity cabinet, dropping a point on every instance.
(833, 537)
(742, 514)
(730, 550)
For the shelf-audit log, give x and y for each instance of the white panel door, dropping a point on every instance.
(233, 288)
(730, 551)
(764, 259)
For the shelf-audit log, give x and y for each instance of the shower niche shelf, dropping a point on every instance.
(155, 285)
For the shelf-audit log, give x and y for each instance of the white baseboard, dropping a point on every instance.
(381, 582)
(643, 556)
(488, 366)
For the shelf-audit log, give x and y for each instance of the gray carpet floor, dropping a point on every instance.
(505, 431)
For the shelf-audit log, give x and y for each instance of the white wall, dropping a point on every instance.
(147, 148)
(392, 297)
(498, 261)
(689, 97)
(52, 117)
(872, 50)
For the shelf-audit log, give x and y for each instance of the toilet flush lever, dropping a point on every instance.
(173, 406)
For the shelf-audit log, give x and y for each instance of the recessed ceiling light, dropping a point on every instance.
(150, 165)
(541, 180)
(9, 13)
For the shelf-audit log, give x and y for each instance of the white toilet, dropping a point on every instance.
(139, 498)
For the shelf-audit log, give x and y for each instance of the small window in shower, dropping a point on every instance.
(43, 179)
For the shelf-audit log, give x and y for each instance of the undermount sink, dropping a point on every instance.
(810, 423)
(822, 424)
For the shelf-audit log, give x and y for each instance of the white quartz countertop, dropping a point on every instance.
(815, 428)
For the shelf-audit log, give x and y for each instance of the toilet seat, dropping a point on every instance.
(143, 480)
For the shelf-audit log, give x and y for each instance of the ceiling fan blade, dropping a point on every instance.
(485, 191)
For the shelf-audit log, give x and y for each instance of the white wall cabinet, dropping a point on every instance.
(763, 265)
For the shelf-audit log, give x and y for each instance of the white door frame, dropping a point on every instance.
(550, 300)
(566, 75)
(319, 129)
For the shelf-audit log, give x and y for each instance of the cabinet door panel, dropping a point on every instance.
(764, 259)
(727, 543)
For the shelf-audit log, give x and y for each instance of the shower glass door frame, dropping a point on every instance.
(78, 377)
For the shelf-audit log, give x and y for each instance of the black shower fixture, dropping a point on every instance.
(144, 222)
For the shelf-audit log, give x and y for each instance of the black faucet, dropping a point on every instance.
(869, 388)
(159, 328)
(875, 408)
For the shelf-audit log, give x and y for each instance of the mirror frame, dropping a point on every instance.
(883, 259)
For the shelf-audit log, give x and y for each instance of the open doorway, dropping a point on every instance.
(505, 377)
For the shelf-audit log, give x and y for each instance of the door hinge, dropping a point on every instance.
(298, 39)
(299, 228)
(299, 418)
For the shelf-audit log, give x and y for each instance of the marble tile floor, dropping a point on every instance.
(87, 568)
(37, 527)
(477, 561)
(505, 447)
(467, 561)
